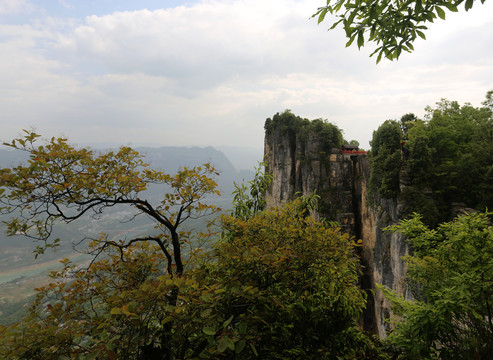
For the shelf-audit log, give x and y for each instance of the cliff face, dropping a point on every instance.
(301, 166)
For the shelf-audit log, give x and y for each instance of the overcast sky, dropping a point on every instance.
(166, 73)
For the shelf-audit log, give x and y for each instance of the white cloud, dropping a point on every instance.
(210, 73)
(8, 7)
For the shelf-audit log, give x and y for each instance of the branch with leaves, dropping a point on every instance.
(393, 25)
(61, 184)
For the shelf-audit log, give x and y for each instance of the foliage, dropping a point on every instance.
(385, 159)
(61, 184)
(64, 184)
(123, 307)
(451, 272)
(448, 158)
(277, 286)
(292, 125)
(393, 25)
(292, 283)
(451, 155)
(250, 200)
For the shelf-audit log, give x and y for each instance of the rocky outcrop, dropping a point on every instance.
(301, 166)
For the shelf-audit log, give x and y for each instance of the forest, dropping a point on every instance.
(257, 283)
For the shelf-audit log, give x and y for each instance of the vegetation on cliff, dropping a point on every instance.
(451, 275)
(330, 135)
(447, 159)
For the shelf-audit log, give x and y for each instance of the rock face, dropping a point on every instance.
(300, 166)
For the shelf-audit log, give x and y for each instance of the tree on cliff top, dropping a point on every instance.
(288, 123)
(394, 25)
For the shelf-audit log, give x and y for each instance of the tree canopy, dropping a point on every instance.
(451, 276)
(392, 25)
(447, 159)
(292, 125)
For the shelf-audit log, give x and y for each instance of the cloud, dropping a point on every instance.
(12, 7)
(212, 72)
(202, 45)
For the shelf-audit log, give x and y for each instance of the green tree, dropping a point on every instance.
(278, 285)
(385, 158)
(294, 126)
(61, 184)
(291, 286)
(249, 200)
(451, 157)
(392, 25)
(451, 275)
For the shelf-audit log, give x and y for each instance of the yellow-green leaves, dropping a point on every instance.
(63, 184)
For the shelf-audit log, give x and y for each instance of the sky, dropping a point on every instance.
(209, 72)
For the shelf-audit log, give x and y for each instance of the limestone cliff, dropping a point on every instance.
(301, 165)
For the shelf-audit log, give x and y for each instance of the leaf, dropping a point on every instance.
(116, 311)
(451, 7)
(361, 39)
(322, 14)
(469, 4)
(351, 39)
(227, 322)
(209, 330)
(253, 349)
(223, 344)
(440, 12)
(239, 346)
(421, 34)
(205, 313)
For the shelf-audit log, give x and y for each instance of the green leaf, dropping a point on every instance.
(205, 313)
(239, 346)
(440, 12)
(209, 330)
(227, 322)
(421, 34)
(469, 4)
(253, 349)
(451, 7)
(321, 17)
(223, 344)
(351, 39)
(116, 311)
(361, 39)
(242, 328)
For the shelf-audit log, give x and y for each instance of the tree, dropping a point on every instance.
(291, 285)
(451, 156)
(61, 184)
(451, 275)
(250, 200)
(393, 25)
(385, 158)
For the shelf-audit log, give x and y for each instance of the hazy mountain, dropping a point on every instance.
(243, 158)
